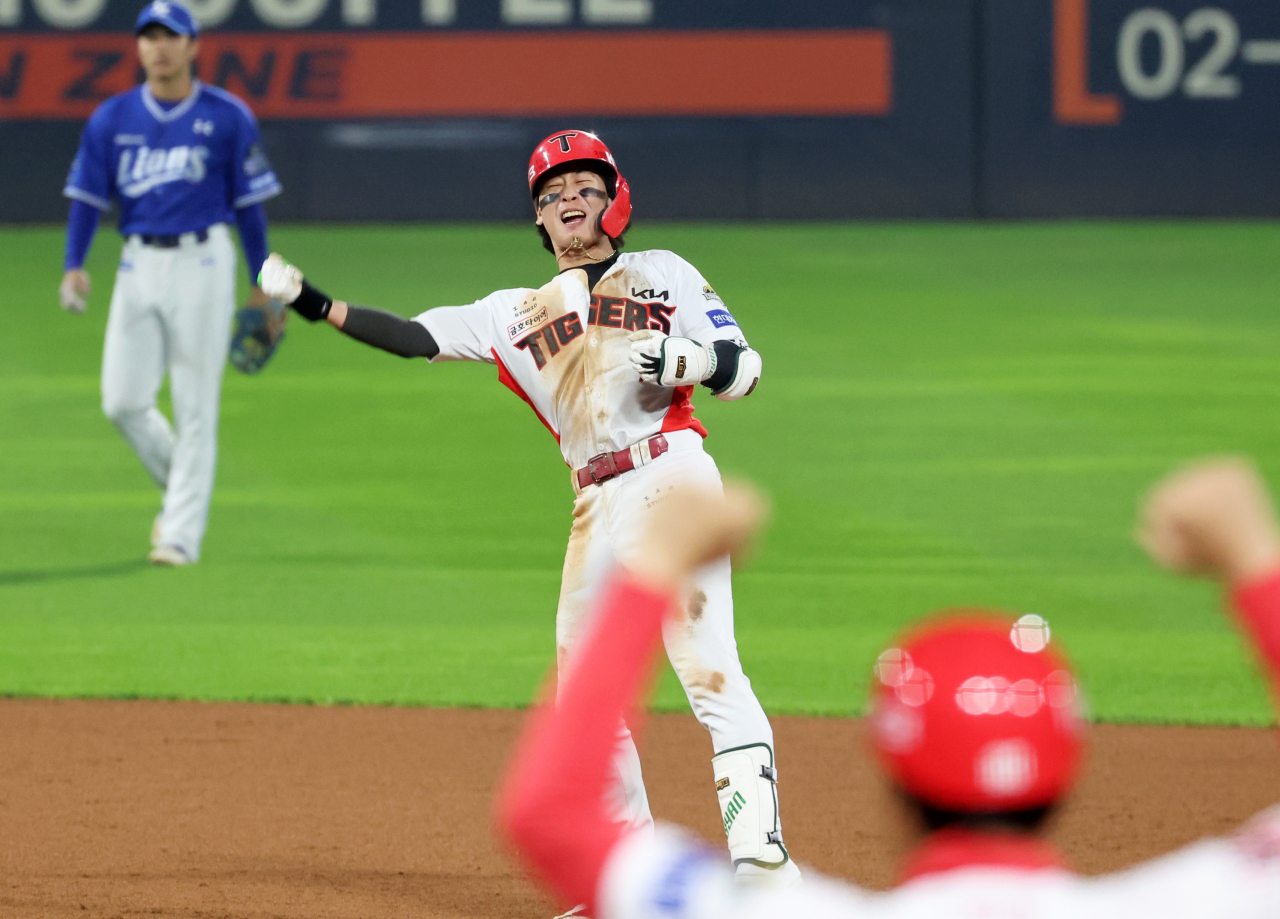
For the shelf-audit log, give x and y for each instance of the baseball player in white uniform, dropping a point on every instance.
(974, 717)
(182, 160)
(607, 354)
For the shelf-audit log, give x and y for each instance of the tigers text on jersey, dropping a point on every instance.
(172, 169)
(566, 350)
(670, 876)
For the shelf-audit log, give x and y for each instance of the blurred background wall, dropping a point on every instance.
(427, 109)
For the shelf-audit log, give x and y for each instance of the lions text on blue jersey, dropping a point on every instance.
(172, 169)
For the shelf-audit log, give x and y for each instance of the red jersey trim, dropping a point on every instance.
(949, 850)
(507, 380)
(1258, 602)
(552, 804)
(679, 416)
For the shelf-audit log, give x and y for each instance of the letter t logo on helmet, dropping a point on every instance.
(571, 147)
(563, 139)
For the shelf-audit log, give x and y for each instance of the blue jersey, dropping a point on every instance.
(173, 170)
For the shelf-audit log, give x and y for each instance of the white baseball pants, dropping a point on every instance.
(607, 524)
(171, 311)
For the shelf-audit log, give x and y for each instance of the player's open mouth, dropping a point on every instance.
(573, 218)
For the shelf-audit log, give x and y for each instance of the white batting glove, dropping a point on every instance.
(73, 292)
(646, 352)
(279, 280)
(670, 361)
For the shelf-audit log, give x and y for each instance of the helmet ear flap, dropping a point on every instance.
(613, 220)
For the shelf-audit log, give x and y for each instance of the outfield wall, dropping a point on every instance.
(427, 109)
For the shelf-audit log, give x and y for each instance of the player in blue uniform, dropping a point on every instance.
(182, 160)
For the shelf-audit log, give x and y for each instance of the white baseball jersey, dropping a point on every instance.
(669, 876)
(566, 351)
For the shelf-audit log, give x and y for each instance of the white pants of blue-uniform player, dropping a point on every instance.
(171, 312)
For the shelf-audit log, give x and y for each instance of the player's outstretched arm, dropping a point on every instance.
(1215, 518)
(551, 806)
(378, 328)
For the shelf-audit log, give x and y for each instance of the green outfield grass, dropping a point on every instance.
(950, 415)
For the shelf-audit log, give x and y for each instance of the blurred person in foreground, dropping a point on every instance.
(975, 720)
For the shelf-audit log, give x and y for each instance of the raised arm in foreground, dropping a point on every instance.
(378, 328)
(551, 807)
(1216, 518)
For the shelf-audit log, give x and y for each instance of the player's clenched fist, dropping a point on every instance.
(73, 292)
(670, 361)
(1212, 518)
(695, 525)
(280, 280)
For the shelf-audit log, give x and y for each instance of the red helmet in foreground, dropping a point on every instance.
(575, 146)
(976, 714)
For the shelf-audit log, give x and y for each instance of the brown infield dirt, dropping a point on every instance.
(181, 809)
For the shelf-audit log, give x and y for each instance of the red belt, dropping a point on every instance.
(604, 467)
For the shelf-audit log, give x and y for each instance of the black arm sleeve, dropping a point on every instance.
(726, 364)
(390, 332)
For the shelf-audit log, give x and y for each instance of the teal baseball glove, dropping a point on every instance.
(258, 333)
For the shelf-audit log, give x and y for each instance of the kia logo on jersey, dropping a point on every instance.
(145, 169)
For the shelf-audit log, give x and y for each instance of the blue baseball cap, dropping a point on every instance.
(171, 15)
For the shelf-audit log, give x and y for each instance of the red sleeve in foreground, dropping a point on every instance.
(1258, 602)
(551, 806)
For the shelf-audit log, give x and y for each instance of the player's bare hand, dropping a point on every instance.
(279, 279)
(1215, 518)
(257, 297)
(73, 292)
(692, 526)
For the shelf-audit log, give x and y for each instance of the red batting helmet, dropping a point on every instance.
(575, 146)
(976, 714)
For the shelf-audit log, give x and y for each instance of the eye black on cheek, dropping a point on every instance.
(592, 193)
(548, 199)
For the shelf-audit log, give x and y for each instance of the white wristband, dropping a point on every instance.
(685, 362)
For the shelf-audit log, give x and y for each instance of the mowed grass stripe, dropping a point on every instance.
(951, 415)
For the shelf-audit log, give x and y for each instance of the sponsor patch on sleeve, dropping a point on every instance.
(256, 162)
(721, 318)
